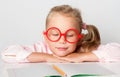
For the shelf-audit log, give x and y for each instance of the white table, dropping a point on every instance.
(40, 69)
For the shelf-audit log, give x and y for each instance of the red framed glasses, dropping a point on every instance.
(71, 35)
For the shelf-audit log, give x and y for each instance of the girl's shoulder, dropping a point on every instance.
(42, 46)
(108, 52)
(108, 45)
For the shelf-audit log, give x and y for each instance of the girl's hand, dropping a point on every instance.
(52, 58)
(44, 57)
(80, 57)
(74, 57)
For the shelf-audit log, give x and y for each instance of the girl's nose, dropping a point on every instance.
(62, 40)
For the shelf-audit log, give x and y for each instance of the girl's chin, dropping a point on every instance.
(61, 55)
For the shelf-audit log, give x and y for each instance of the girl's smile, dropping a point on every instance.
(62, 48)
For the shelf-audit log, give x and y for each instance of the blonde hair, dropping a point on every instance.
(91, 40)
(67, 11)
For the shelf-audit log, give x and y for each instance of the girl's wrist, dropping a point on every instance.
(88, 56)
(83, 57)
(47, 57)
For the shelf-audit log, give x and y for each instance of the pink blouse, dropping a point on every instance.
(19, 53)
(16, 53)
(108, 53)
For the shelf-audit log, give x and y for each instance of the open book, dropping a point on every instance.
(52, 70)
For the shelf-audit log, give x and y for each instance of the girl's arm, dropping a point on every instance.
(81, 57)
(43, 57)
(17, 53)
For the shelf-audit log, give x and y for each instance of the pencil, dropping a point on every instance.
(60, 71)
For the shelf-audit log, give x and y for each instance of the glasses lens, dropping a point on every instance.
(72, 36)
(53, 34)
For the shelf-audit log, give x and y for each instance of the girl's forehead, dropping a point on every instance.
(64, 29)
(63, 22)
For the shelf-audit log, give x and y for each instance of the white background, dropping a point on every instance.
(23, 21)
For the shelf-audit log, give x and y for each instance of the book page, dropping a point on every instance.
(45, 69)
(34, 70)
(84, 68)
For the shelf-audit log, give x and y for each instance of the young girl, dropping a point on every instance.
(64, 41)
(62, 34)
(91, 50)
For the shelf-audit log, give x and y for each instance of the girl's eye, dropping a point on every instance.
(55, 34)
(70, 35)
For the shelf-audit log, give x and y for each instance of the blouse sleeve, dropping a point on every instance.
(108, 53)
(16, 53)
(19, 53)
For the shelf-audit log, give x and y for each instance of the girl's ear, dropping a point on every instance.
(45, 38)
